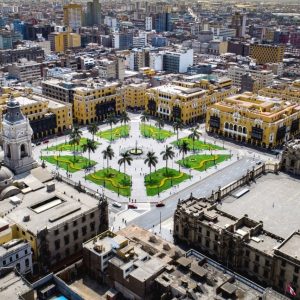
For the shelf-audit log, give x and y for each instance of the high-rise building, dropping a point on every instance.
(148, 23)
(238, 22)
(178, 62)
(7, 38)
(263, 53)
(61, 41)
(73, 16)
(122, 41)
(93, 14)
(163, 22)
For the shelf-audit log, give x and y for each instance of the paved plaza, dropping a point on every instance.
(146, 215)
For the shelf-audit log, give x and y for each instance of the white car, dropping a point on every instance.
(116, 204)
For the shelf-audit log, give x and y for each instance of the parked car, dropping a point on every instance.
(160, 204)
(132, 206)
(46, 141)
(38, 143)
(116, 204)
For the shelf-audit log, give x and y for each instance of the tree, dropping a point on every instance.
(124, 118)
(93, 129)
(183, 148)
(151, 160)
(90, 146)
(177, 125)
(195, 134)
(144, 119)
(108, 154)
(166, 155)
(125, 159)
(160, 124)
(75, 137)
(111, 120)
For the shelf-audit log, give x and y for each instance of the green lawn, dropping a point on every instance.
(67, 146)
(198, 145)
(154, 132)
(202, 162)
(112, 180)
(68, 163)
(116, 133)
(160, 181)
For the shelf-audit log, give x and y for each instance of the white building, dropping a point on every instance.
(156, 61)
(178, 62)
(235, 73)
(148, 23)
(110, 22)
(16, 254)
(140, 41)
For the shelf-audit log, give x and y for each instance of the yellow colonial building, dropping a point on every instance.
(135, 95)
(93, 102)
(285, 91)
(187, 101)
(258, 120)
(46, 116)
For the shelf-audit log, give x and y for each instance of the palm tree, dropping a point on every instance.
(90, 146)
(151, 160)
(125, 159)
(160, 124)
(178, 125)
(195, 134)
(75, 137)
(108, 154)
(183, 148)
(144, 119)
(93, 129)
(166, 155)
(111, 120)
(124, 118)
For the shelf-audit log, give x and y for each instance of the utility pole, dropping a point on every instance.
(160, 222)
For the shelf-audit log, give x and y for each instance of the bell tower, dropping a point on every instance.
(16, 135)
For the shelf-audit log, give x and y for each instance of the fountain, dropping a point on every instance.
(136, 150)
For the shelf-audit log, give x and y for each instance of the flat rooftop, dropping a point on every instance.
(291, 246)
(272, 198)
(179, 90)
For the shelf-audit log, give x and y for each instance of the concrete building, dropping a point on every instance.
(11, 56)
(122, 41)
(238, 22)
(139, 58)
(264, 78)
(261, 121)
(16, 254)
(263, 53)
(148, 23)
(54, 218)
(8, 38)
(236, 227)
(156, 61)
(73, 16)
(93, 14)
(178, 62)
(25, 71)
(290, 159)
(186, 101)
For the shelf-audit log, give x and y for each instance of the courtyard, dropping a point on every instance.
(125, 181)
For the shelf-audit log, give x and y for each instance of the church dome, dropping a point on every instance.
(5, 174)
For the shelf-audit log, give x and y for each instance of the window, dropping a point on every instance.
(4, 262)
(56, 232)
(92, 215)
(216, 237)
(83, 230)
(83, 219)
(66, 227)
(23, 232)
(255, 269)
(11, 259)
(247, 253)
(57, 244)
(75, 235)
(200, 229)
(17, 256)
(207, 233)
(92, 226)
(75, 223)
(27, 262)
(207, 243)
(256, 257)
(295, 279)
(267, 263)
(296, 269)
(67, 239)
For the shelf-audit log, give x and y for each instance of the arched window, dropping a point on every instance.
(231, 126)
(245, 130)
(240, 129)
(23, 150)
(235, 128)
(226, 125)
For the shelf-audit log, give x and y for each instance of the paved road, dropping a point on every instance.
(199, 189)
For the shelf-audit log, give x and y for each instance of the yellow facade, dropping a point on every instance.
(254, 119)
(35, 107)
(73, 15)
(290, 92)
(61, 41)
(96, 102)
(267, 53)
(182, 100)
(135, 95)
